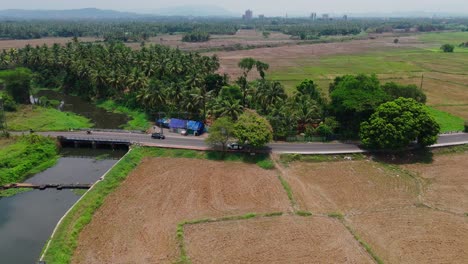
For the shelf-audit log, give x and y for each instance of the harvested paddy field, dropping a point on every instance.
(242, 39)
(350, 186)
(414, 235)
(293, 60)
(138, 222)
(447, 178)
(282, 239)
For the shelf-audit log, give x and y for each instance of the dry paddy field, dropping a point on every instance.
(413, 213)
(282, 239)
(138, 222)
(363, 211)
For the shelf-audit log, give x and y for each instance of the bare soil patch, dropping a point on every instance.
(285, 239)
(349, 187)
(448, 182)
(137, 223)
(415, 235)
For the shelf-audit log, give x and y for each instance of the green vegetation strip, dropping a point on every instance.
(26, 156)
(447, 121)
(44, 119)
(184, 258)
(288, 158)
(65, 239)
(139, 120)
(364, 244)
(288, 190)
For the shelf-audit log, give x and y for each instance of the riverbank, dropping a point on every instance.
(28, 219)
(138, 120)
(24, 156)
(41, 118)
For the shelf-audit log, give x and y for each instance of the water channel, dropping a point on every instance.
(28, 219)
(99, 116)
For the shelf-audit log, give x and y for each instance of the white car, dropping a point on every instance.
(235, 146)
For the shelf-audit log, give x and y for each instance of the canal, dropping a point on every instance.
(28, 219)
(99, 116)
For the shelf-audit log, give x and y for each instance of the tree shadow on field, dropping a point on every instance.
(405, 157)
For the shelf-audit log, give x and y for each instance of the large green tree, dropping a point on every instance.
(18, 83)
(220, 132)
(396, 124)
(253, 129)
(396, 91)
(354, 99)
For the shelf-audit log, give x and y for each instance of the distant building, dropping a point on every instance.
(261, 16)
(345, 17)
(325, 17)
(248, 15)
(313, 16)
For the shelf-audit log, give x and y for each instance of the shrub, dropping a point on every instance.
(8, 103)
(466, 126)
(447, 48)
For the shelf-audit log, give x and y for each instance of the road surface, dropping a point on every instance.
(190, 142)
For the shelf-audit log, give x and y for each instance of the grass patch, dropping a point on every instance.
(364, 244)
(336, 215)
(44, 119)
(288, 158)
(139, 120)
(273, 214)
(184, 258)
(288, 190)
(266, 164)
(451, 150)
(13, 192)
(79, 192)
(303, 213)
(447, 121)
(438, 38)
(28, 155)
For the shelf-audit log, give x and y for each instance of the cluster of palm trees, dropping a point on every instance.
(153, 78)
(162, 79)
(124, 30)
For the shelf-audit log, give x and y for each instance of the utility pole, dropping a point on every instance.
(422, 80)
(161, 124)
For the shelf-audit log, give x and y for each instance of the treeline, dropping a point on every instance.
(154, 78)
(196, 37)
(161, 79)
(142, 29)
(109, 30)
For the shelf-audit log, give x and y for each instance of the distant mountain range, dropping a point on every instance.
(193, 10)
(85, 13)
(180, 11)
(94, 13)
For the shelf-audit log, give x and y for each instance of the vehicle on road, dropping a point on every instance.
(158, 136)
(235, 146)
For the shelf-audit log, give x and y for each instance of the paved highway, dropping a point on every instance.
(191, 142)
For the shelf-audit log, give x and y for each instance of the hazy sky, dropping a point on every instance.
(267, 7)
